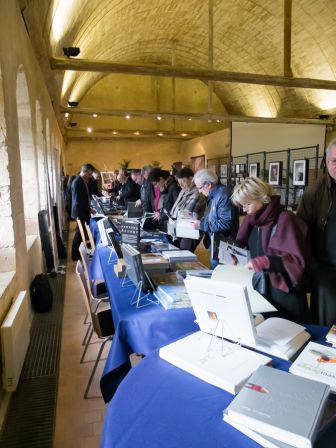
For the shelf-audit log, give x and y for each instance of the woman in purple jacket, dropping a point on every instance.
(276, 240)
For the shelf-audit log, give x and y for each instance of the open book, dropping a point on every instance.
(227, 251)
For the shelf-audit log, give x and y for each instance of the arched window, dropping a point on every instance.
(41, 159)
(28, 157)
(7, 249)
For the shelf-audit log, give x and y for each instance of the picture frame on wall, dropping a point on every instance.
(300, 172)
(223, 170)
(197, 163)
(224, 180)
(254, 169)
(275, 173)
(237, 169)
(242, 168)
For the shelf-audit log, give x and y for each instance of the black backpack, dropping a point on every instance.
(41, 294)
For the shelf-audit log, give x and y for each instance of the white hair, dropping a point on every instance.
(205, 176)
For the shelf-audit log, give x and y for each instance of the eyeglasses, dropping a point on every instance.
(201, 187)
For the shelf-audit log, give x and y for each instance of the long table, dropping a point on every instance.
(159, 405)
(137, 330)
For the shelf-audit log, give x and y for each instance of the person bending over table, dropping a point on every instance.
(220, 219)
(276, 241)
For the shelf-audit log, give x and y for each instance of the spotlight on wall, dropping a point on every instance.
(71, 51)
(73, 103)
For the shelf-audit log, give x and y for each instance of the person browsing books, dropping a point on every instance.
(219, 219)
(276, 241)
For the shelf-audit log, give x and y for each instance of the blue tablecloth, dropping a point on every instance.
(159, 405)
(137, 330)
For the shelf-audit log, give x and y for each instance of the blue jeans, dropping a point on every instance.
(213, 263)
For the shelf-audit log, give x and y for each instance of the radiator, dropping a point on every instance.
(15, 338)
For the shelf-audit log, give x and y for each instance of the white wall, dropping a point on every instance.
(255, 137)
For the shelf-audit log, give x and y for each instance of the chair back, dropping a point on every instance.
(87, 297)
(81, 231)
(92, 243)
(86, 266)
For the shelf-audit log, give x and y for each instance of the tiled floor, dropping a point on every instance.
(79, 422)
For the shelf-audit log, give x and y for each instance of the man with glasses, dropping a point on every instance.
(318, 210)
(220, 219)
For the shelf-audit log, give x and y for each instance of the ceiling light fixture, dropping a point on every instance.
(66, 115)
(72, 124)
(127, 117)
(94, 115)
(136, 133)
(159, 118)
(114, 132)
(184, 134)
(71, 51)
(189, 119)
(89, 129)
(218, 121)
(72, 103)
(160, 134)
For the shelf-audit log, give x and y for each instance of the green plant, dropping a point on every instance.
(124, 164)
(156, 164)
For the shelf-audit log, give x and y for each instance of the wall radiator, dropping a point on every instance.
(15, 338)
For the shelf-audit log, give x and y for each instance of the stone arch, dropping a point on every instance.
(40, 157)
(27, 155)
(7, 244)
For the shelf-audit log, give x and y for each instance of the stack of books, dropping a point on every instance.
(317, 362)
(277, 409)
(331, 336)
(154, 261)
(173, 296)
(179, 255)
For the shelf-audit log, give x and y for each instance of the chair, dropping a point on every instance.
(99, 292)
(91, 240)
(86, 242)
(101, 324)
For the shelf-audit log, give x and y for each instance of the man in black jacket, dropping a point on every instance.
(80, 204)
(129, 190)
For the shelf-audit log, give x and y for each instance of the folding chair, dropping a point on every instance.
(101, 324)
(91, 240)
(86, 242)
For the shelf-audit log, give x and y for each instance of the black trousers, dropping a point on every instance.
(323, 297)
(77, 241)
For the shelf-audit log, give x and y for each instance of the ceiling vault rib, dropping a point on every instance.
(87, 65)
(210, 53)
(194, 116)
(287, 38)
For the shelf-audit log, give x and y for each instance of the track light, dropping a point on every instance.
(73, 103)
(71, 51)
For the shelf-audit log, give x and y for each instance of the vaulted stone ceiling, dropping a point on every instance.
(247, 36)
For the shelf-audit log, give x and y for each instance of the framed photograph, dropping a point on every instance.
(224, 180)
(237, 169)
(223, 171)
(107, 178)
(300, 172)
(275, 173)
(254, 169)
(242, 168)
(233, 170)
(197, 163)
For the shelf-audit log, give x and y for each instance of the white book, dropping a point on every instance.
(331, 335)
(228, 250)
(262, 439)
(218, 362)
(179, 255)
(317, 362)
(243, 276)
(184, 228)
(223, 308)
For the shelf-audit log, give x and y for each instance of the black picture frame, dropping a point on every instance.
(275, 173)
(300, 172)
(254, 169)
(197, 163)
(223, 170)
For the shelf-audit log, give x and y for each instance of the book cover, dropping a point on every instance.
(174, 293)
(317, 362)
(285, 407)
(331, 335)
(218, 362)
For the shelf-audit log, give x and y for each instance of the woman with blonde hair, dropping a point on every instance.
(276, 240)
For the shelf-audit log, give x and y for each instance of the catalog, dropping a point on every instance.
(331, 335)
(285, 407)
(216, 361)
(317, 362)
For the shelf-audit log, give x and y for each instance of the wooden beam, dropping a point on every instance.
(210, 53)
(86, 65)
(287, 38)
(193, 116)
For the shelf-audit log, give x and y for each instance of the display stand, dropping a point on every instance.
(137, 297)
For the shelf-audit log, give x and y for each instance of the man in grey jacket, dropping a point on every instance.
(318, 209)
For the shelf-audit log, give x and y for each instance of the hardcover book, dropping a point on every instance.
(317, 362)
(216, 361)
(282, 406)
(331, 335)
